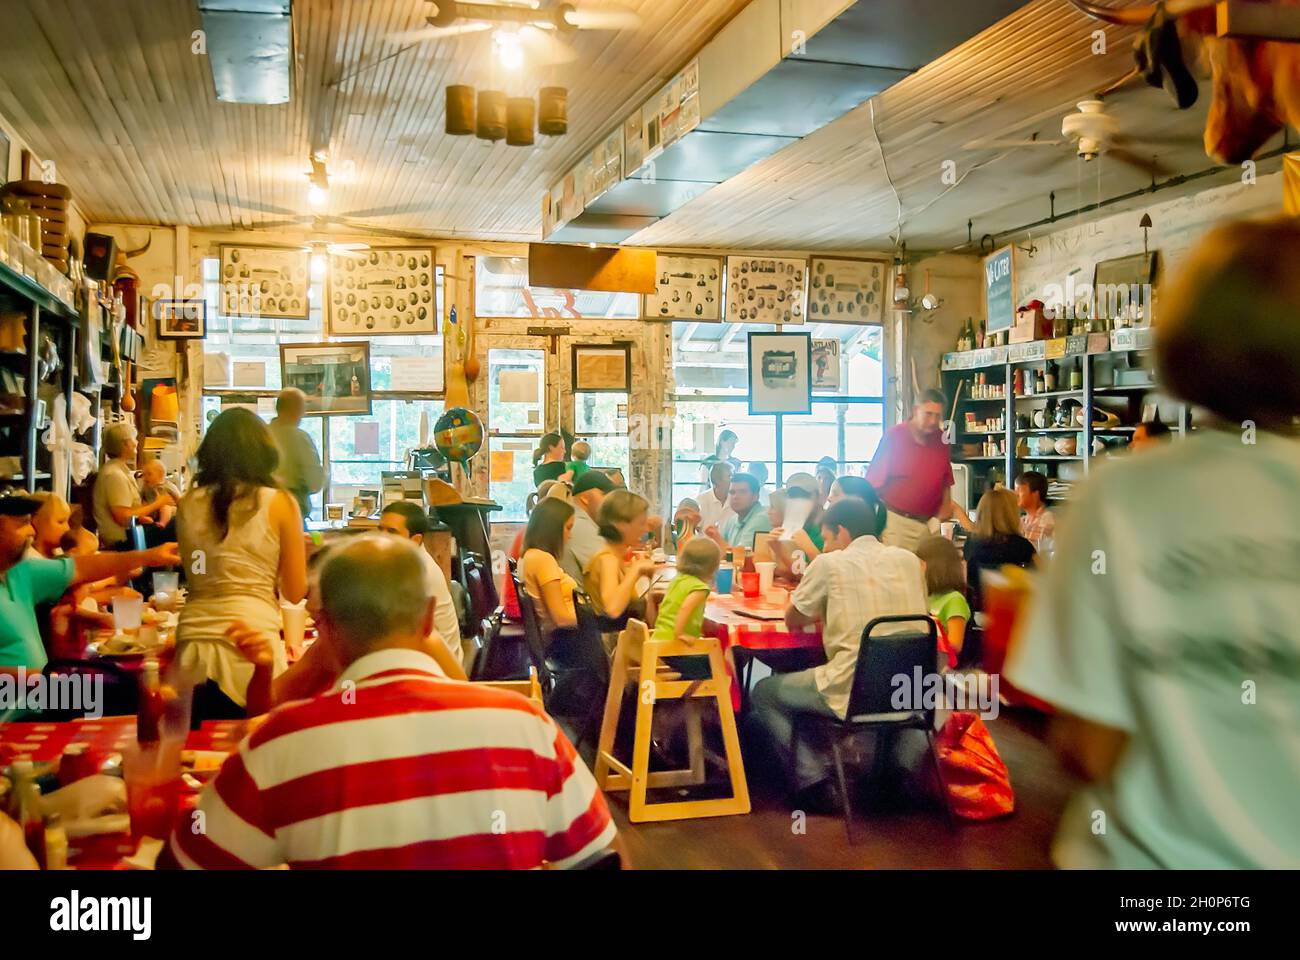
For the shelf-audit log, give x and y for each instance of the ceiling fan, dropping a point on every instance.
(521, 28)
(351, 250)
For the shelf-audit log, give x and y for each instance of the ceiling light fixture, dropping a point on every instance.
(318, 187)
(509, 49)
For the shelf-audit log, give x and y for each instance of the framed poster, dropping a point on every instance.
(766, 290)
(780, 373)
(1121, 289)
(686, 288)
(181, 319)
(384, 291)
(999, 291)
(848, 290)
(826, 365)
(603, 369)
(265, 282)
(334, 376)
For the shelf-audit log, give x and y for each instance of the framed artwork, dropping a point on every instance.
(780, 373)
(384, 291)
(334, 376)
(1121, 289)
(852, 291)
(4, 157)
(826, 365)
(267, 282)
(766, 290)
(603, 369)
(686, 288)
(181, 319)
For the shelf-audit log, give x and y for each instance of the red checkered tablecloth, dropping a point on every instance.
(734, 629)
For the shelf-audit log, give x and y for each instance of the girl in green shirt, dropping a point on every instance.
(681, 614)
(946, 585)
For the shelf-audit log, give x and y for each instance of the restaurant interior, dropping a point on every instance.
(807, 434)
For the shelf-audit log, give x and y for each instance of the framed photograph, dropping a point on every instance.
(267, 282)
(1121, 290)
(780, 373)
(766, 290)
(4, 157)
(384, 291)
(826, 365)
(603, 369)
(686, 288)
(850, 291)
(334, 376)
(181, 319)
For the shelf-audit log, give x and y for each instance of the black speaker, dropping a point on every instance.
(101, 253)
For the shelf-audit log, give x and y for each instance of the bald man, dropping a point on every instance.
(300, 471)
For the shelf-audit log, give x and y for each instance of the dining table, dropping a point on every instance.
(753, 629)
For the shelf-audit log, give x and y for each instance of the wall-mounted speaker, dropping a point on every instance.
(101, 253)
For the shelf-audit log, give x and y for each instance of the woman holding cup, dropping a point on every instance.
(612, 576)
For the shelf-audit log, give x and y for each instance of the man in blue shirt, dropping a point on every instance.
(749, 516)
(25, 583)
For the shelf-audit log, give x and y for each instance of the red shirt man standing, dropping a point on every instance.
(913, 475)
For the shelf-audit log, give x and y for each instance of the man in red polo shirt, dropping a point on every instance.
(913, 475)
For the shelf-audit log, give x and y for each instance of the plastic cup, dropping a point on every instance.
(153, 788)
(293, 623)
(766, 573)
(166, 582)
(127, 613)
(724, 579)
(749, 584)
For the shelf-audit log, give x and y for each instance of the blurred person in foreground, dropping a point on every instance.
(404, 764)
(1171, 648)
(299, 470)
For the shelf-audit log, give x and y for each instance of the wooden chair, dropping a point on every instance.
(530, 688)
(655, 682)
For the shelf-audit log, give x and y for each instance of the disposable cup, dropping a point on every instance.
(766, 571)
(293, 620)
(127, 613)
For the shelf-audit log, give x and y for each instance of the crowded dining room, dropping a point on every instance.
(623, 435)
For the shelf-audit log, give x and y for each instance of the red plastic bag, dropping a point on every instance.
(979, 786)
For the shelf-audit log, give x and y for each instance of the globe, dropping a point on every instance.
(458, 434)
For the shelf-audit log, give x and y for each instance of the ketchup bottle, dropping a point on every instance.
(149, 714)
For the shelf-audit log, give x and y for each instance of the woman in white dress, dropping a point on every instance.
(242, 546)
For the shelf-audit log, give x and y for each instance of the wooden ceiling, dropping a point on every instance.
(110, 90)
(832, 190)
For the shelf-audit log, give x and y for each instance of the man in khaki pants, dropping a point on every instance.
(913, 475)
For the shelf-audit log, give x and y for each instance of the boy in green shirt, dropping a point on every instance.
(581, 452)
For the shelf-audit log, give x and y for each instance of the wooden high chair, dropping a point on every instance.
(655, 681)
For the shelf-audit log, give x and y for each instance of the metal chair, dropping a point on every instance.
(880, 659)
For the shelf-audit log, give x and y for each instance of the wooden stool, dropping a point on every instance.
(656, 682)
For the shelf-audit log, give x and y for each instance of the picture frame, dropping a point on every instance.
(5, 150)
(1123, 273)
(383, 291)
(265, 281)
(846, 290)
(334, 376)
(780, 373)
(602, 368)
(181, 319)
(686, 288)
(766, 290)
(826, 365)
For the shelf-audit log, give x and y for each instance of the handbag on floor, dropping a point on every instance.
(979, 786)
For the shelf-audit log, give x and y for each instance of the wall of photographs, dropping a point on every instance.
(766, 290)
(383, 291)
(265, 282)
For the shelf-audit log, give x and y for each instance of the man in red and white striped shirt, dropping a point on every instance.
(396, 766)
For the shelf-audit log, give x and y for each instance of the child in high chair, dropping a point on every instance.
(681, 614)
(581, 452)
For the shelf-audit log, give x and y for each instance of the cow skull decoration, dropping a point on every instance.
(1255, 82)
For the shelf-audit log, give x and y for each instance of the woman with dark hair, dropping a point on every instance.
(726, 447)
(611, 578)
(996, 540)
(243, 552)
(549, 526)
(852, 487)
(548, 459)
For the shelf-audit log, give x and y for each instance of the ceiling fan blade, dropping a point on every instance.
(1009, 144)
(609, 18)
(544, 48)
(1150, 166)
(424, 34)
(1187, 140)
(275, 224)
(1130, 79)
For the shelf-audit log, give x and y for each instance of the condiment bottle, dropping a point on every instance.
(27, 808)
(149, 716)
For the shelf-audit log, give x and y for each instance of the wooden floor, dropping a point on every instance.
(892, 834)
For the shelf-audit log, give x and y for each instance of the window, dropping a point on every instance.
(501, 290)
(601, 419)
(710, 366)
(406, 381)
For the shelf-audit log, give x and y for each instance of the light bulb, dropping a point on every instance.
(317, 195)
(509, 49)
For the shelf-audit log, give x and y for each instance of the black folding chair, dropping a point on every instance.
(104, 688)
(880, 658)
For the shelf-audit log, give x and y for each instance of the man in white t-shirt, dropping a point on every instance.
(855, 580)
(714, 509)
(1165, 631)
(409, 521)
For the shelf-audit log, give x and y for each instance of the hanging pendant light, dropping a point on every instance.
(552, 111)
(460, 111)
(491, 115)
(520, 116)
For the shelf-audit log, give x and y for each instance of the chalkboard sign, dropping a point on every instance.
(999, 291)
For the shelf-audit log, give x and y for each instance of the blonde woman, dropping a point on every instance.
(996, 540)
(611, 577)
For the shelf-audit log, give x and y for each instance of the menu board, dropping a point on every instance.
(848, 290)
(999, 290)
(265, 282)
(765, 290)
(687, 288)
(383, 291)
